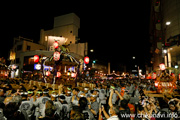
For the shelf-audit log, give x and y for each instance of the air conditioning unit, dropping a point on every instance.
(51, 48)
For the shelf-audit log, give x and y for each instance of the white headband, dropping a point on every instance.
(45, 92)
(93, 95)
(82, 96)
(25, 93)
(170, 101)
(86, 89)
(54, 95)
(68, 92)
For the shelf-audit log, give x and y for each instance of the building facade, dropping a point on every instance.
(66, 26)
(165, 32)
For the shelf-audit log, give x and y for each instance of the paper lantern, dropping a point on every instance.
(47, 73)
(86, 60)
(156, 84)
(162, 66)
(36, 58)
(56, 45)
(154, 76)
(73, 75)
(56, 56)
(58, 74)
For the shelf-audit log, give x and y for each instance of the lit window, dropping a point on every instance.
(46, 38)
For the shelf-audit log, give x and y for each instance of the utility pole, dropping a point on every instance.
(109, 68)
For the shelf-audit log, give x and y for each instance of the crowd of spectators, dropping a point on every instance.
(89, 100)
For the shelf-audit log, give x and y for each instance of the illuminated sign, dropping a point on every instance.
(71, 69)
(38, 67)
(48, 68)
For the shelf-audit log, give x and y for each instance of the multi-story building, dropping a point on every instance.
(66, 26)
(165, 32)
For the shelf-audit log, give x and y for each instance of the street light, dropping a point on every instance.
(176, 66)
(91, 50)
(168, 23)
(165, 51)
(134, 57)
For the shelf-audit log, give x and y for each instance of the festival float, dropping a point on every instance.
(165, 83)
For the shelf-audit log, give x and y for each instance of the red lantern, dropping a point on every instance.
(162, 66)
(56, 56)
(156, 84)
(73, 75)
(36, 58)
(56, 45)
(154, 76)
(58, 74)
(47, 73)
(172, 74)
(86, 60)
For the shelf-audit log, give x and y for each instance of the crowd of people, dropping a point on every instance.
(88, 100)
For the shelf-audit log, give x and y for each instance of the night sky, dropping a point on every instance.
(116, 31)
